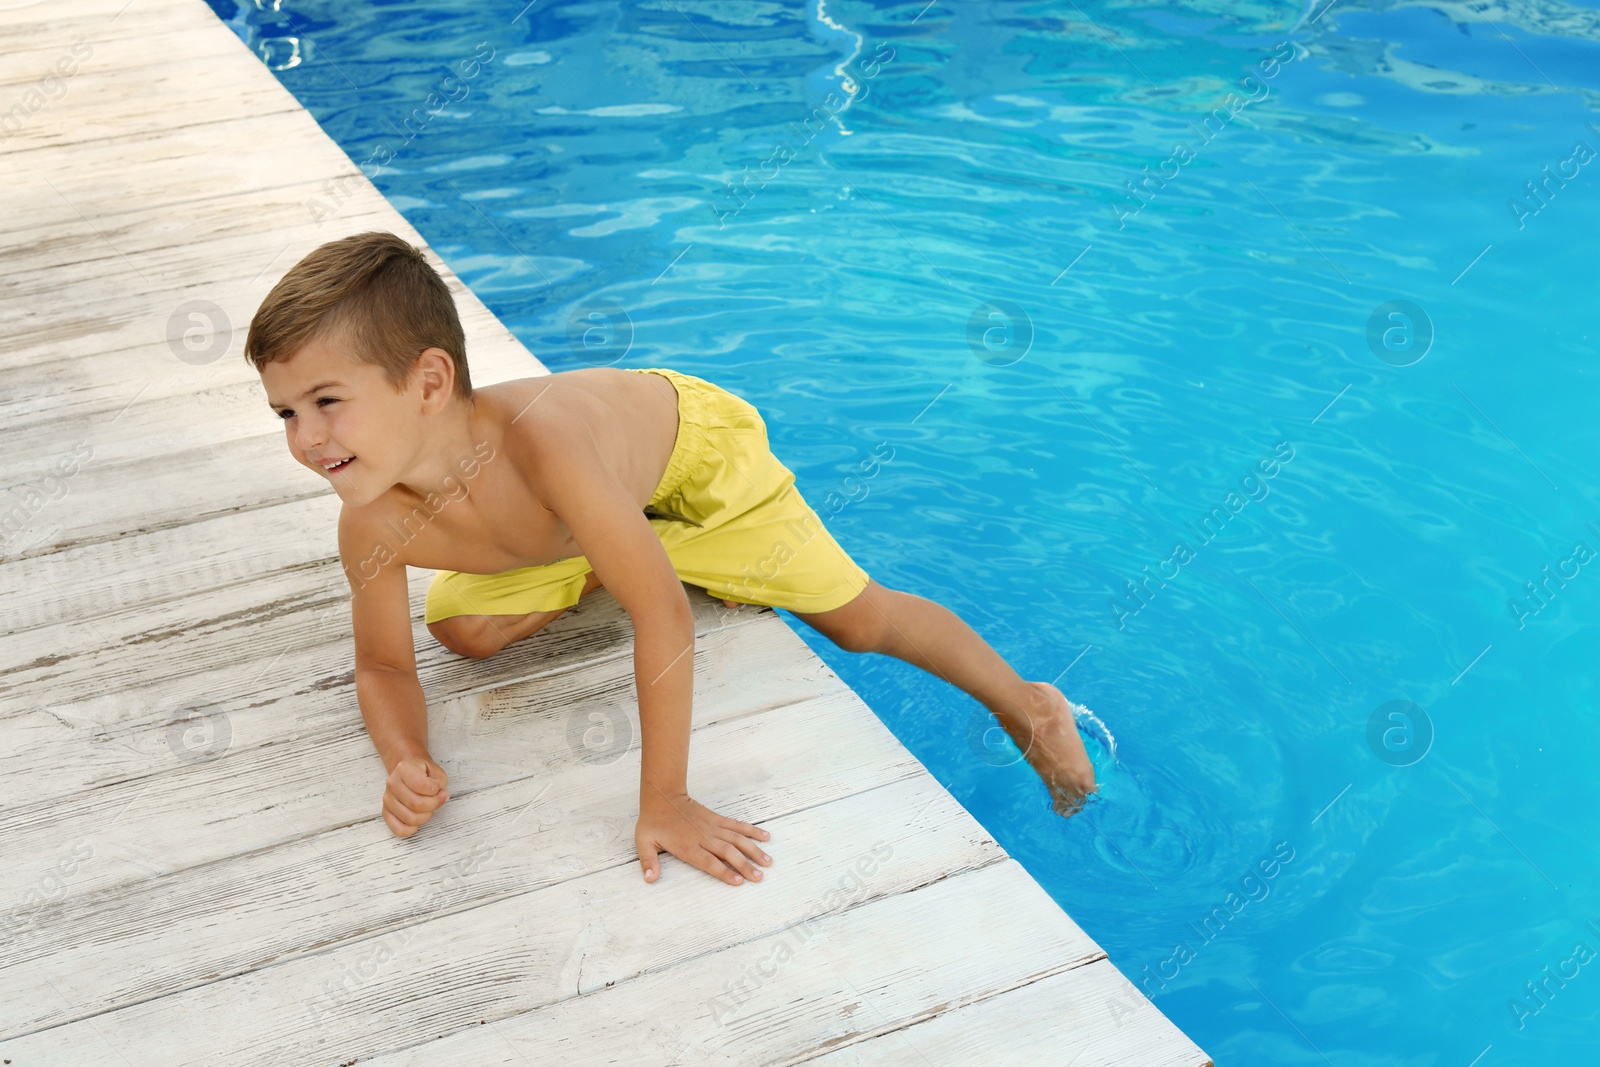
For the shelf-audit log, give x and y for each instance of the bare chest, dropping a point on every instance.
(500, 529)
(493, 523)
(498, 523)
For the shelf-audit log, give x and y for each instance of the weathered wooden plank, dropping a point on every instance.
(79, 585)
(143, 36)
(168, 247)
(122, 340)
(130, 731)
(215, 448)
(296, 618)
(101, 756)
(1089, 1016)
(103, 500)
(566, 957)
(213, 231)
(58, 402)
(812, 987)
(150, 938)
(131, 299)
(63, 185)
(95, 104)
(146, 15)
(232, 629)
(140, 487)
(147, 401)
(177, 407)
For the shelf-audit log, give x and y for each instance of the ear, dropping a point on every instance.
(435, 374)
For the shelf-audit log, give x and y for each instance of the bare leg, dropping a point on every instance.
(931, 636)
(480, 636)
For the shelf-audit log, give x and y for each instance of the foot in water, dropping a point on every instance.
(1056, 752)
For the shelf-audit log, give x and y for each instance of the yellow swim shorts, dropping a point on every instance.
(726, 510)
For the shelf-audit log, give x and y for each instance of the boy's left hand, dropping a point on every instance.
(698, 836)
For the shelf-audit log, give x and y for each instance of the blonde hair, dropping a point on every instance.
(376, 292)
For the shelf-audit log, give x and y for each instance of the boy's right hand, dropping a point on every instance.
(417, 787)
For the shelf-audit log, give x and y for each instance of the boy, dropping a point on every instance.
(525, 495)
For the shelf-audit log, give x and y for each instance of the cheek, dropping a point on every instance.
(329, 419)
(347, 428)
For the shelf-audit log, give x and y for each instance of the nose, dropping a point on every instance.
(309, 433)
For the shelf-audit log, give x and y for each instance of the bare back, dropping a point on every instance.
(499, 524)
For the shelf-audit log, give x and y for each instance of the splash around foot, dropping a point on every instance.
(1057, 752)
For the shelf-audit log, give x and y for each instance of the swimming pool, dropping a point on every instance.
(1257, 422)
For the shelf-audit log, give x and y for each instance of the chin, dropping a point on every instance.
(353, 494)
(359, 494)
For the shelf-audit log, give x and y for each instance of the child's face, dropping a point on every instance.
(335, 407)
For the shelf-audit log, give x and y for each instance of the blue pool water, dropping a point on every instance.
(1321, 385)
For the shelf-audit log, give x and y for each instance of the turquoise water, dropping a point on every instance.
(1321, 385)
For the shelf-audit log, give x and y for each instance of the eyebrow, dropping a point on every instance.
(320, 385)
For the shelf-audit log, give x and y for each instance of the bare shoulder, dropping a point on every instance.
(572, 427)
(536, 416)
(582, 391)
(363, 550)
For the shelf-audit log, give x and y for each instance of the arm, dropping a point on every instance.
(628, 558)
(387, 687)
(395, 712)
(630, 561)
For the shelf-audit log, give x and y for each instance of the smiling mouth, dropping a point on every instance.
(340, 465)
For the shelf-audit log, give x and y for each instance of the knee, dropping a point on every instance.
(863, 633)
(467, 635)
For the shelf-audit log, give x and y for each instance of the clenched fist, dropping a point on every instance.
(416, 788)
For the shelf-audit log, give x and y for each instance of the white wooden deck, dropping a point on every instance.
(193, 869)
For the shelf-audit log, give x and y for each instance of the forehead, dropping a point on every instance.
(315, 362)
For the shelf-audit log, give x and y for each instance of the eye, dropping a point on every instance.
(288, 413)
